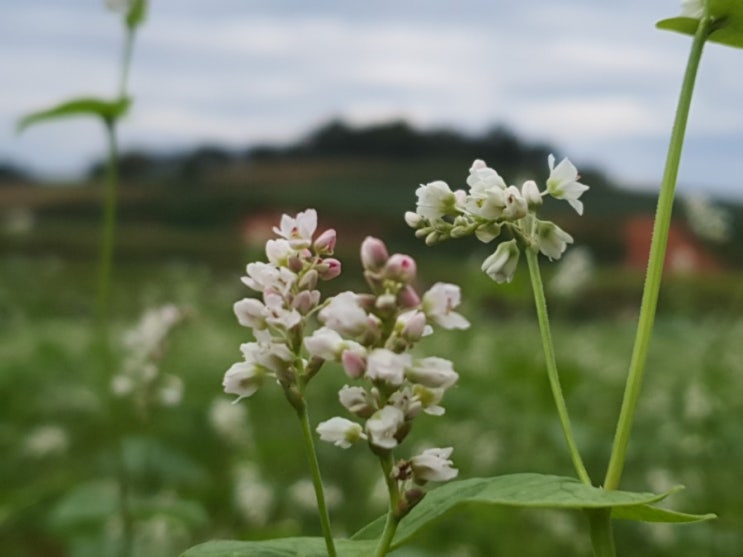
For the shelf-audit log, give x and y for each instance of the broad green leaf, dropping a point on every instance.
(728, 26)
(282, 547)
(524, 490)
(137, 13)
(647, 513)
(107, 110)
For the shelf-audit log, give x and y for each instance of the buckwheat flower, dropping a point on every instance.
(432, 372)
(356, 400)
(298, 230)
(516, 207)
(278, 252)
(373, 254)
(386, 366)
(438, 304)
(433, 465)
(344, 314)
(486, 203)
(563, 183)
(413, 220)
(272, 356)
(325, 343)
(482, 177)
(243, 379)
(383, 426)
(353, 360)
(488, 232)
(501, 264)
(329, 268)
(408, 403)
(429, 399)
(325, 243)
(170, 392)
(530, 192)
(411, 325)
(264, 276)
(277, 315)
(435, 200)
(250, 313)
(551, 239)
(340, 431)
(692, 8)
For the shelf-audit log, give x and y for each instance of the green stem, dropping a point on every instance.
(549, 355)
(393, 513)
(127, 521)
(602, 537)
(655, 263)
(322, 508)
(126, 61)
(109, 227)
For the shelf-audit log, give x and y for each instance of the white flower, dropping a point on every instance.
(563, 183)
(243, 379)
(277, 315)
(516, 207)
(483, 178)
(340, 431)
(501, 264)
(438, 304)
(384, 365)
(429, 399)
(170, 392)
(382, 427)
(46, 440)
(432, 372)
(325, 343)
(250, 313)
(272, 356)
(551, 239)
(344, 314)
(278, 252)
(354, 399)
(433, 465)
(411, 325)
(264, 276)
(298, 230)
(532, 195)
(692, 8)
(435, 200)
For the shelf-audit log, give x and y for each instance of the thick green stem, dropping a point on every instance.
(393, 513)
(655, 263)
(107, 236)
(322, 508)
(549, 356)
(602, 537)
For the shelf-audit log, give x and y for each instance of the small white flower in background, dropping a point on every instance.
(501, 265)
(46, 441)
(170, 392)
(435, 200)
(253, 497)
(573, 273)
(563, 183)
(692, 8)
(439, 303)
(433, 465)
(707, 220)
(230, 421)
(298, 230)
(340, 431)
(302, 495)
(383, 426)
(552, 240)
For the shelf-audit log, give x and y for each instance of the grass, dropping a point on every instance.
(191, 480)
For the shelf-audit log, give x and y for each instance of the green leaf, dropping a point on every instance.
(136, 15)
(282, 547)
(727, 27)
(647, 513)
(84, 106)
(86, 505)
(526, 490)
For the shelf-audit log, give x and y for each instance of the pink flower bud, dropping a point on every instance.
(400, 267)
(408, 297)
(354, 363)
(329, 268)
(325, 242)
(373, 254)
(413, 325)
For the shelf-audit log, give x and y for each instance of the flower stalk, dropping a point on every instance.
(656, 259)
(393, 513)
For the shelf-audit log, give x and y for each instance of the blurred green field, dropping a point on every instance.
(207, 469)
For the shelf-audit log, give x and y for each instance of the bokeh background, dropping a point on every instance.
(244, 110)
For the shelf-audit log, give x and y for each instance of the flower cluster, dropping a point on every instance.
(287, 283)
(371, 336)
(491, 207)
(145, 346)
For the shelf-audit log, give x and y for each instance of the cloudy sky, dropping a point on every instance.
(594, 78)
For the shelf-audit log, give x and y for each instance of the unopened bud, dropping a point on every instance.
(413, 220)
(325, 242)
(373, 254)
(408, 297)
(401, 268)
(329, 268)
(353, 363)
(308, 280)
(531, 194)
